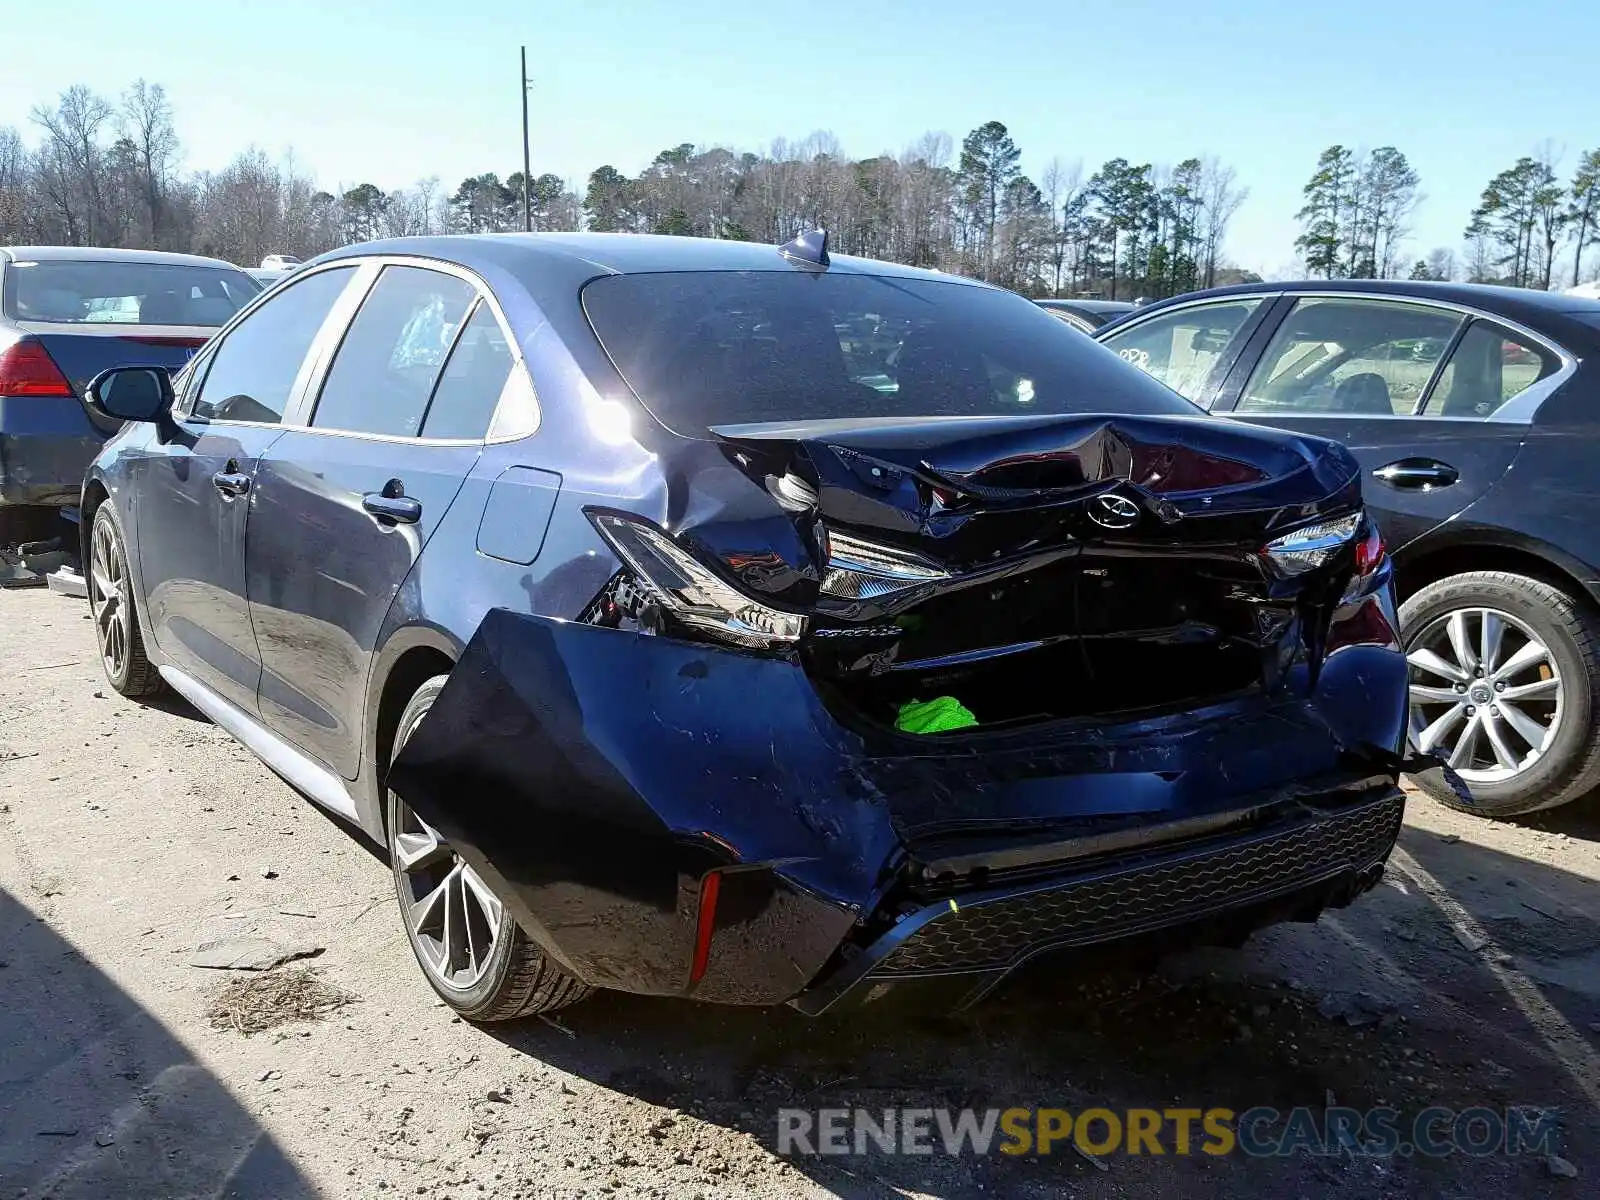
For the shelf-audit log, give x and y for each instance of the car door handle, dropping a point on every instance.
(231, 483)
(392, 510)
(1417, 473)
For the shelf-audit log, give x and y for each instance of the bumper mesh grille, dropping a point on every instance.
(1149, 895)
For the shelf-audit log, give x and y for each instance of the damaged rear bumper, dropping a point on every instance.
(596, 778)
(1323, 855)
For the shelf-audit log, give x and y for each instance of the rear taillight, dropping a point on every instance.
(26, 369)
(1310, 546)
(862, 570)
(688, 592)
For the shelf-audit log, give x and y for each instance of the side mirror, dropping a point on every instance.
(131, 393)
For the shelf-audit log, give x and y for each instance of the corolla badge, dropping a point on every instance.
(1113, 512)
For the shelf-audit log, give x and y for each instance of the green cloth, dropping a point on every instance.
(939, 715)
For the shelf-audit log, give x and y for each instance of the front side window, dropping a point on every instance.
(386, 367)
(1182, 348)
(85, 292)
(708, 348)
(1489, 366)
(254, 369)
(1371, 358)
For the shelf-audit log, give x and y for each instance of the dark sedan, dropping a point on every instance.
(1475, 413)
(674, 636)
(66, 314)
(1086, 316)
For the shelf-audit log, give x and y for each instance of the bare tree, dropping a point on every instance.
(1061, 185)
(429, 201)
(14, 179)
(74, 159)
(1220, 198)
(147, 126)
(1481, 259)
(1442, 264)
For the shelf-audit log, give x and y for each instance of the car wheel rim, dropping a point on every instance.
(453, 916)
(1485, 694)
(108, 598)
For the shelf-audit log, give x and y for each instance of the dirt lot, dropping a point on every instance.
(131, 835)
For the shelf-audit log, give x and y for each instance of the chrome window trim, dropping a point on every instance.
(1519, 410)
(1072, 320)
(1130, 322)
(320, 355)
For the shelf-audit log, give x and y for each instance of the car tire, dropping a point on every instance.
(114, 610)
(514, 977)
(1569, 765)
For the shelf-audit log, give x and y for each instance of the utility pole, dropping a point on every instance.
(527, 193)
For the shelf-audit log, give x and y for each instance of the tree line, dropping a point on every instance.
(1358, 206)
(1124, 230)
(96, 170)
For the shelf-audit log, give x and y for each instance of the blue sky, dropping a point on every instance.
(390, 92)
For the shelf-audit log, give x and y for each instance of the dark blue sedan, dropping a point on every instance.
(66, 314)
(744, 623)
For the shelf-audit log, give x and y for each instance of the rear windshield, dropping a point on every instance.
(707, 348)
(68, 292)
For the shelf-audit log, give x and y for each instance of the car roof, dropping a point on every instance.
(1524, 303)
(619, 254)
(107, 254)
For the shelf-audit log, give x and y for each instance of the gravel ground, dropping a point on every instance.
(131, 835)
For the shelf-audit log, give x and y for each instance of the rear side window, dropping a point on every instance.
(469, 388)
(393, 352)
(709, 348)
(1489, 366)
(254, 369)
(1355, 357)
(80, 292)
(1182, 348)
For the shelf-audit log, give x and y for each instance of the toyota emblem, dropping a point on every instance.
(1113, 512)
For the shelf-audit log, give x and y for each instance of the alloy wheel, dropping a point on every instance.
(1485, 693)
(453, 915)
(108, 597)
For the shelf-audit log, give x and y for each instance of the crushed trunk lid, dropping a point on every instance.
(1046, 566)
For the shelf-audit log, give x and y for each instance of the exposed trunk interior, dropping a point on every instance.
(1098, 634)
(1045, 570)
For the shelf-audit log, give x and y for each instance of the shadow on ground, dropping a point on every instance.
(174, 705)
(99, 1101)
(1467, 978)
(1580, 819)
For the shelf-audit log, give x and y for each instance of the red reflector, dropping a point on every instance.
(157, 340)
(706, 925)
(26, 369)
(1369, 552)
